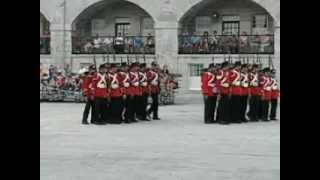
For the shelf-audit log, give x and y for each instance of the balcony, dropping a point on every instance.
(113, 45)
(44, 45)
(226, 44)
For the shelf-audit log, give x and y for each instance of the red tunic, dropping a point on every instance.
(153, 80)
(265, 83)
(143, 80)
(207, 84)
(99, 84)
(134, 88)
(244, 84)
(235, 80)
(87, 86)
(115, 85)
(124, 82)
(275, 92)
(254, 84)
(225, 83)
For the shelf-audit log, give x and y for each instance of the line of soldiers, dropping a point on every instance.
(120, 94)
(229, 89)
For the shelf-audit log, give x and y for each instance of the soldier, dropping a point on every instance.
(101, 94)
(223, 110)
(132, 93)
(209, 91)
(265, 82)
(116, 94)
(244, 92)
(125, 84)
(236, 90)
(88, 94)
(144, 93)
(255, 94)
(154, 82)
(275, 92)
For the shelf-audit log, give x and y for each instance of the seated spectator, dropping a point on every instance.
(119, 44)
(88, 47)
(244, 42)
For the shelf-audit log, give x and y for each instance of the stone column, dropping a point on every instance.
(277, 52)
(61, 46)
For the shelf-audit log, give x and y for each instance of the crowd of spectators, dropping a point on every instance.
(233, 44)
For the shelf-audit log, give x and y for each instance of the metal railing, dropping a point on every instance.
(226, 44)
(113, 45)
(45, 45)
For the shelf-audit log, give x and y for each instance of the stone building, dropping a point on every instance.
(186, 35)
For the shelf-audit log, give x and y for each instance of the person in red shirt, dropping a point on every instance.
(223, 110)
(265, 83)
(254, 93)
(153, 78)
(132, 93)
(275, 92)
(88, 94)
(209, 93)
(236, 90)
(244, 92)
(144, 93)
(101, 95)
(116, 93)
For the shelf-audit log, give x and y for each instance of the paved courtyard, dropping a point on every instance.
(178, 147)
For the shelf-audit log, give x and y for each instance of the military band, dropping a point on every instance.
(238, 93)
(120, 94)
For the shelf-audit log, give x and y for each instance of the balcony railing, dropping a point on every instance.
(113, 45)
(226, 44)
(44, 45)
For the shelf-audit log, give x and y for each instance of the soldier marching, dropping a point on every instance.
(238, 93)
(119, 94)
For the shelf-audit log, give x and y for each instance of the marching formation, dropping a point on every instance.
(120, 94)
(230, 89)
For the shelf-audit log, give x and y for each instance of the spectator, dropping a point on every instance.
(213, 42)
(150, 43)
(97, 42)
(88, 47)
(205, 42)
(244, 43)
(119, 44)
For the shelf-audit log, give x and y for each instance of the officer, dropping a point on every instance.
(275, 92)
(255, 94)
(244, 92)
(88, 94)
(235, 80)
(125, 84)
(132, 93)
(144, 93)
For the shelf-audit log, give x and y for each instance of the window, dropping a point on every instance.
(231, 28)
(195, 69)
(260, 21)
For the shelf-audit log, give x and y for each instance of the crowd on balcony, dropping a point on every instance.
(110, 44)
(233, 44)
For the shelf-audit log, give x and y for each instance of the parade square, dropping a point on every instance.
(179, 146)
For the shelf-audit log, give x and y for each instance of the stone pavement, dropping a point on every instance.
(178, 147)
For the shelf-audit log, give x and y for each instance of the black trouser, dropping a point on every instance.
(115, 114)
(235, 108)
(273, 111)
(101, 110)
(209, 108)
(155, 105)
(142, 103)
(131, 108)
(223, 112)
(89, 105)
(243, 108)
(260, 108)
(254, 108)
(265, 109)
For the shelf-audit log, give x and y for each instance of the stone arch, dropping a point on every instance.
(271, 7)
(78, 10)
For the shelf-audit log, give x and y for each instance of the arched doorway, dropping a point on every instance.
(109, 27)
(226, 26)
(44, 35)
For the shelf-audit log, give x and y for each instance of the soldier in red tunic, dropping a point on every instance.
(88, 94)
(223, 110)
(132, 93)
(144, 93)
(209, 92)
(275, 92)
(116, 93)
(265, 83)
(101, 95)
(125, 84)
(255, 94)
(244, 92)
(236, 90)
(154, 82)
